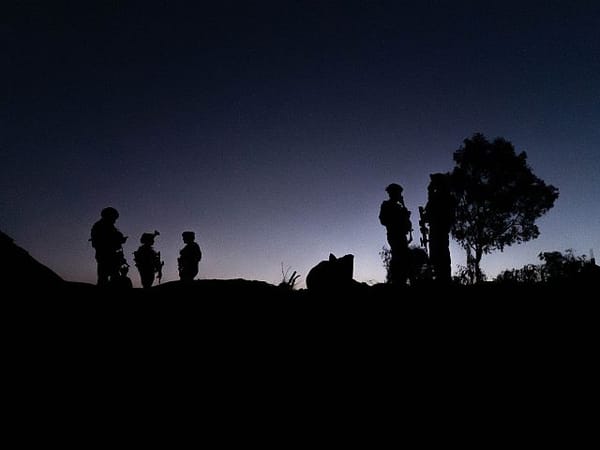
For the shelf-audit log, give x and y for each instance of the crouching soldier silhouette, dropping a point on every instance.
(394, 215)
(189, 257)
(108, 242)
(123, 281)
(147, 260)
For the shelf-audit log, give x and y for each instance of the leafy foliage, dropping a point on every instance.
(465, 276)
(556, 267)
(386, 257)
(498, 199)
(419, 268)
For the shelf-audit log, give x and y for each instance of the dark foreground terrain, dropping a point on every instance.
(494, 358)
(21, 276)
(31, 286)
(256, 291)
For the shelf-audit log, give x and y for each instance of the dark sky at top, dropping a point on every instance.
(272, 128)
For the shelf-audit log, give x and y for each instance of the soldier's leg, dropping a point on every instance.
(147, 279)
(103, 273)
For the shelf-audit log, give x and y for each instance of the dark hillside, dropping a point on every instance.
(18, 269)
(22, 273)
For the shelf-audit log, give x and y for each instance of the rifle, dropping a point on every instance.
(423, 228)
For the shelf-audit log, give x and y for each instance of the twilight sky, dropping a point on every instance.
(272, 128)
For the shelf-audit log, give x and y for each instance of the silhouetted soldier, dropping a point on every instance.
(395, 217)
(439, 214)
(108, 242)
(189, 257)
(147, 260)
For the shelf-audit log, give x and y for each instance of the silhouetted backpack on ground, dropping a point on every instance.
(330, 275)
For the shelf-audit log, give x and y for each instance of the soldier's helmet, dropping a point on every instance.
(147, 238)
(109, 213)
(394, 187)
(439, 180)
(188, 235)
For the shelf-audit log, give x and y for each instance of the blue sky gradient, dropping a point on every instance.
(272, 129)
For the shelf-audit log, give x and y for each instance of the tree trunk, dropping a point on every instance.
(478, 273)
(470, 265)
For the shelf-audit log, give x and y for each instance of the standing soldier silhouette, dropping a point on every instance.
(439, 214)
(189, 257)
(394, 215)
(108, 242)
(147, 260)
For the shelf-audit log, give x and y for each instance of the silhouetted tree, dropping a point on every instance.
(419, 270)
(556, 267)
(498, 199)
(559, 266)
(386, 257)
(529, 274)
(464, 276)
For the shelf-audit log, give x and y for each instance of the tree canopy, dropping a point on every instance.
(498, 198)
